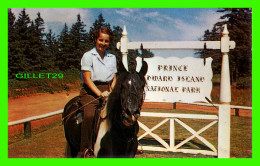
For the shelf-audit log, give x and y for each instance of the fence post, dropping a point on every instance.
(123, 47)
(27, 129)
(225, 99)
(172, 133)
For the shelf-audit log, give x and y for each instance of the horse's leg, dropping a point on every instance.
(134, 148)
(67, 151)
(70, 152)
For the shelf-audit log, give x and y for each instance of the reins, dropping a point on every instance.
(80, 108)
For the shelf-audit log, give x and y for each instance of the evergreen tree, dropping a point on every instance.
(20, 62)
(117, 34)
(78, 38)
(52, 50)
(65, 49)
(100, 22)
(213, 35)
(37, 52)
(133, 54)
(239, 22)
(50, 40)
(26, 44)
(11, 43)
(11, 26)
(39, 26)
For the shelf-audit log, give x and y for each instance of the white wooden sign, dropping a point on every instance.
(173, 79)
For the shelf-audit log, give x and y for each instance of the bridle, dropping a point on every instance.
(133, 92)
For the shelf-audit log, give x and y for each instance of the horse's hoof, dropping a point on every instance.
(139, 151)
(88, 153)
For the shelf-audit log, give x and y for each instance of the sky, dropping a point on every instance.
(142, 24)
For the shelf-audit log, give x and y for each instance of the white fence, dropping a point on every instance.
(225, 91)
(26, 121)
(173, 118)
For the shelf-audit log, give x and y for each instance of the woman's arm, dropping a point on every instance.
(90, 83)
(93, 87)
(113, 84)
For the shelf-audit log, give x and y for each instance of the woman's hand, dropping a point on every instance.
(104, 94)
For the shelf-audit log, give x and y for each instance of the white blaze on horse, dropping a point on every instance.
(118, 127)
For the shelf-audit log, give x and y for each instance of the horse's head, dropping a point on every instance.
(129, 93)
(132, 95)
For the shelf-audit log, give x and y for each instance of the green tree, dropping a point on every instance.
(11, 26)
(52, 49)
(99, 22)
(213, 35)
(19, 56)
(239, 23)
(37, 51)
(72, 45)
(133, 54)
(26, 44)
(11, 43)
(65, 50)
(78, 39)
(116, 31)
(117, 34)
(39, 27)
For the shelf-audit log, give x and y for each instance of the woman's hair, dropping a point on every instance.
(105, 30)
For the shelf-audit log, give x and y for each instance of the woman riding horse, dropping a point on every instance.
(98, 70)
(118, 127)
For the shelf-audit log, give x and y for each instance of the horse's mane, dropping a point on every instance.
(113, 103)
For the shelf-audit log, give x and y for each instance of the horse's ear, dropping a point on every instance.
(144, 68)
(122, 68)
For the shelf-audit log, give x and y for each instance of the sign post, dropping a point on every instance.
(225, 99)
(123, 48)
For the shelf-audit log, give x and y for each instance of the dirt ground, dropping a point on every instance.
(28, 106)
(38, 104)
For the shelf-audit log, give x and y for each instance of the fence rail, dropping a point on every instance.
(216, 105)
(35, 118)
(27, 121)
(178, 45)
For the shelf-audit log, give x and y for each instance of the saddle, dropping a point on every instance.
(74, 108)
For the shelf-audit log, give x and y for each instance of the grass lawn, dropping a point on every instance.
(51, 136)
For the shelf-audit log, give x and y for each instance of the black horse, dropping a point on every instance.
(117, 134)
